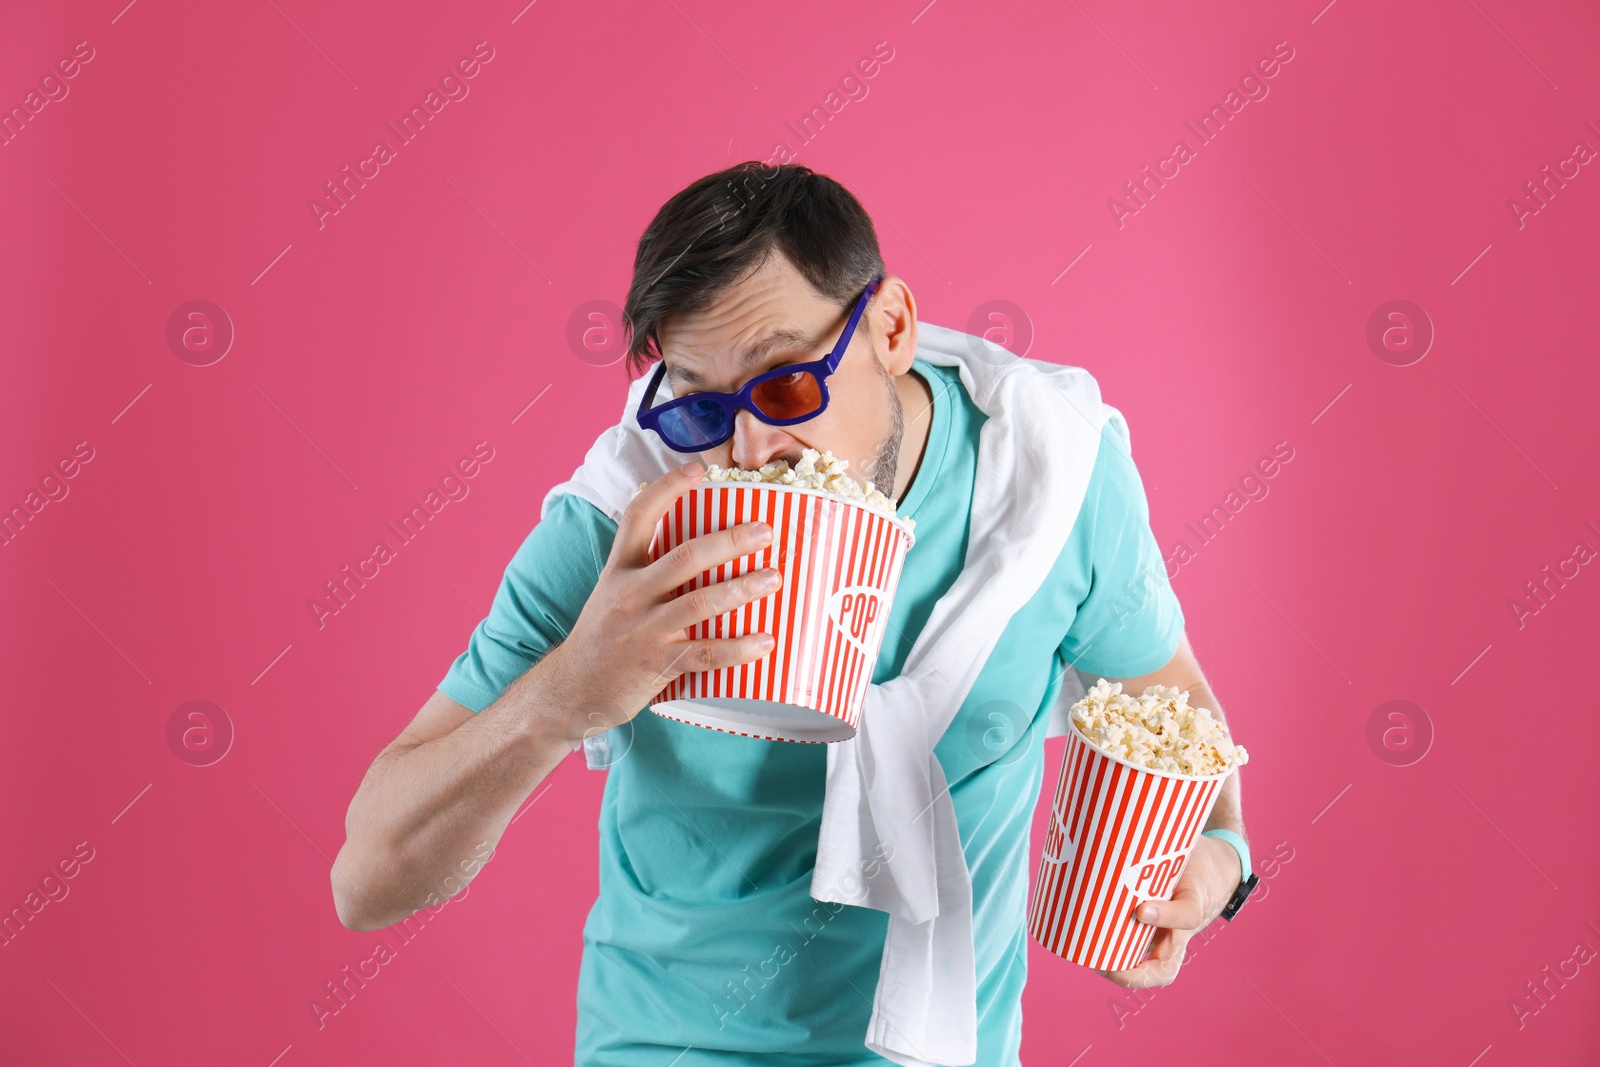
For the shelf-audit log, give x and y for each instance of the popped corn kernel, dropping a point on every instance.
(1157, 730)
(816, 470)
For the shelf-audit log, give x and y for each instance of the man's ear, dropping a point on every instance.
(894, 316)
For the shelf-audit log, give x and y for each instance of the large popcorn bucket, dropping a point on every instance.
(1119, 836)
(840, 561)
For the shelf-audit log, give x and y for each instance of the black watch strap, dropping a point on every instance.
(1236, 901)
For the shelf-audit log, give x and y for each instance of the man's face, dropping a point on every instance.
(772, 318)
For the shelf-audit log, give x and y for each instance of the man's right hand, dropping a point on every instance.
(631, 638)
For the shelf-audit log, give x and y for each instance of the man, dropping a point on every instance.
(704, 946)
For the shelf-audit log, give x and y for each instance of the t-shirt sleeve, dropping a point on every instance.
(544, 589)
(1129, 623)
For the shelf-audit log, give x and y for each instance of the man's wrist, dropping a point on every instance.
(542, 711)
(1239, 845)
(1248, 881)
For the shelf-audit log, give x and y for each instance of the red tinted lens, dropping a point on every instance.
(788, 396)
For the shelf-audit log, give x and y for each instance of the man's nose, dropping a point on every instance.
(755, 443)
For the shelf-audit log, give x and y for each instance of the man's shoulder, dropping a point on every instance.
(1038, 393)
(948, 352)
(572, 508)
(570, 529)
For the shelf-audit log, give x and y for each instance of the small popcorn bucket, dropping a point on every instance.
(1119, 835)
(840, 561)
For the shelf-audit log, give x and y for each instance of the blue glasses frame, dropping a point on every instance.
(686, 423)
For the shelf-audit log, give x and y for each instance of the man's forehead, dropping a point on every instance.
(704, 369)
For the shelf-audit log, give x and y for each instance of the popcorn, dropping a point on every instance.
(816, 470)
(1157, 730)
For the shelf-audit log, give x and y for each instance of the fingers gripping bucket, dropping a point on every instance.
(840, 563)
(1119, 835)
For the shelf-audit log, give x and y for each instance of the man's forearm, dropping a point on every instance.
(1228, 813)
(427, 816)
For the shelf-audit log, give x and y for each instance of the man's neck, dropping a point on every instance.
(916, 402)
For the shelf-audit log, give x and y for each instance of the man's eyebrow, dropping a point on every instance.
(758, 351)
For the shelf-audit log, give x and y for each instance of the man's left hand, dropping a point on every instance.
(1208, 880)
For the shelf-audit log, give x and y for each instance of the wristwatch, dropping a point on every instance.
(1248, 881)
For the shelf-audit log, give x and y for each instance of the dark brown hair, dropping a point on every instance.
(726, 225)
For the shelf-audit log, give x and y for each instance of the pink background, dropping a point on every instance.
(372, 353)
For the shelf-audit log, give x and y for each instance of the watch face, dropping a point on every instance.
(1236, 901)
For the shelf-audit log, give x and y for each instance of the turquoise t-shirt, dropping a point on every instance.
(704, 946)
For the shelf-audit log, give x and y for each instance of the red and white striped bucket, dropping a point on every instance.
(1119, 836)
(840, 562)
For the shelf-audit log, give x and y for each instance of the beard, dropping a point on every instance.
(885, 461)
